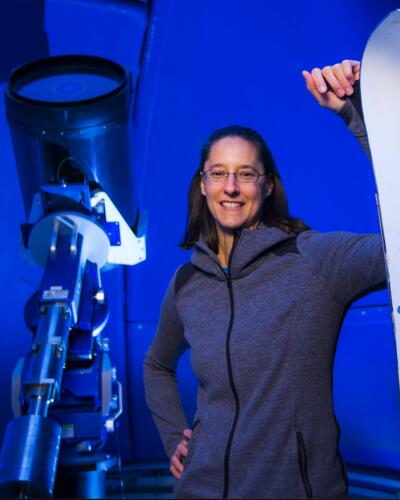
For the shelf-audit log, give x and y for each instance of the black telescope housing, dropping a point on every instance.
(69, 118)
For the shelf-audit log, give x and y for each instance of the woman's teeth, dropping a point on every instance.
(231, 204)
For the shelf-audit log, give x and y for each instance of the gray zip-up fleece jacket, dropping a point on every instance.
(262, 342)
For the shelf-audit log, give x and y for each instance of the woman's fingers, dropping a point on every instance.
(338, 83)
(176, 463)
(174, 472)
(316, 86)
(345, 80)
(351, 70)
(318, 80)
(176, 467)
(347, 68)
(332, 84)
(182, 448)
(187, 433)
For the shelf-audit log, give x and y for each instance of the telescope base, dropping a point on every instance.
(29, 457)
(83, 477)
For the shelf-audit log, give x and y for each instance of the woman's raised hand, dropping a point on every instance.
(340, 78)
(181, 451)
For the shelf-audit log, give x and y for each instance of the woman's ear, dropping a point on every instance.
(270, 188)
(202, 187)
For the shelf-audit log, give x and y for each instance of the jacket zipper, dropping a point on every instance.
(302, 459)
(230, 374)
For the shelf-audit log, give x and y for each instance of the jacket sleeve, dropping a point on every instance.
(351, 113)
(349, 265)
(159, 372)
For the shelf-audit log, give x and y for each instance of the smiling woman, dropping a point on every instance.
(239, 187)
(233, 189)
(260, 306)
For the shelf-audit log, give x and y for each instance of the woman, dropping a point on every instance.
(260, 306)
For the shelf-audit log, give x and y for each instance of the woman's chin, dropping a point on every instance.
(230, 227)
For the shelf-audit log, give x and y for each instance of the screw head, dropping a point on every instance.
(100, 296)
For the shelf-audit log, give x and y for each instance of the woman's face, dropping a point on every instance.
(232, 203)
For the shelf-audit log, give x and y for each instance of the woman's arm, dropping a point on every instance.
(349, 265)
(337, 88)
(159, 373)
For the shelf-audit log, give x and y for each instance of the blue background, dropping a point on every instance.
(198, 66)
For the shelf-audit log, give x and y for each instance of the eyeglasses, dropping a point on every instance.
(246, 175)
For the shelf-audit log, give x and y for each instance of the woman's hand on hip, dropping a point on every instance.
(340, 78)
(176, 466)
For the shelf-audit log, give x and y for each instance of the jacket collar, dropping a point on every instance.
(249, 247)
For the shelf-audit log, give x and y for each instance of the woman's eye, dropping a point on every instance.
(247, 174)
(217, 174)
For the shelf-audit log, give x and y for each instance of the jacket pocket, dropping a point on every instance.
(302, 461)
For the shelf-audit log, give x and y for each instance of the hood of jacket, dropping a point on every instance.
(249, 247)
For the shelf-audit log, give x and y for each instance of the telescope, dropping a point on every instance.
(69, 121)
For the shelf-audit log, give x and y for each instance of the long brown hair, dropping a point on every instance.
(275, 210)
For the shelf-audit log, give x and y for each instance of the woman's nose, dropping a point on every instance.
(231, 184)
